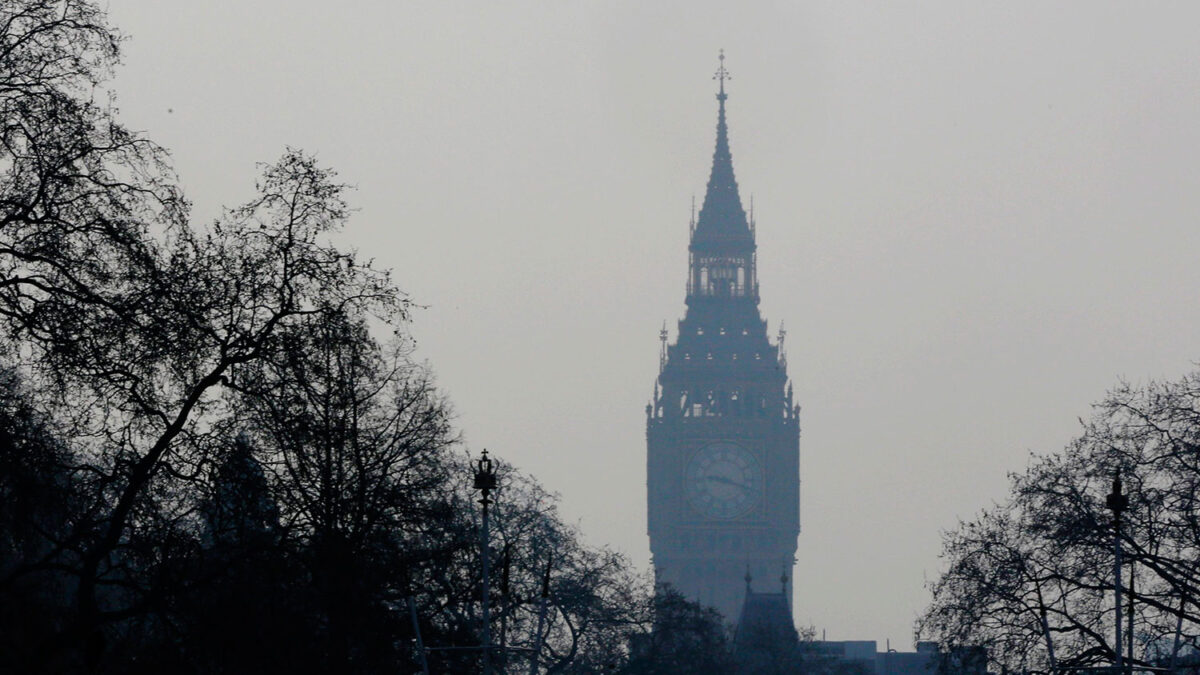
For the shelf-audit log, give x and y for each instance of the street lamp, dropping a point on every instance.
(485, 482)
(1117, 503)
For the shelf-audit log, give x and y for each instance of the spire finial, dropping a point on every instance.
(662, 354)
(721, 75)
(782, 345)
(748, 578)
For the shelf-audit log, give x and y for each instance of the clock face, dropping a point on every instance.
(723, 480)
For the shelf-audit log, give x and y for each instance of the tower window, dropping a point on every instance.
(722, 330)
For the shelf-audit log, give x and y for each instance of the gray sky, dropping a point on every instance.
(973, 218)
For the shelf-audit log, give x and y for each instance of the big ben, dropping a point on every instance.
(722, 429)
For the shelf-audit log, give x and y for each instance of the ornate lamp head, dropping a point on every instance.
(485, 474)
(1116, 501)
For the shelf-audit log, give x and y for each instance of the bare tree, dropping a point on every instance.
(1032, 578)
(593, 599)
(678, 635)
(147, 341)
(355, 436)
(586, 601)
(126, 319)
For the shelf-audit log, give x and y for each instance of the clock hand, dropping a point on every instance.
(728, 481)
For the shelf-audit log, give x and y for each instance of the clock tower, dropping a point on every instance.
(722, 431)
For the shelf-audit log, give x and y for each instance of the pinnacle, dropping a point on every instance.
(722, 219)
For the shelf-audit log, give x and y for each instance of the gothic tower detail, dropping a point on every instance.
(722, 430)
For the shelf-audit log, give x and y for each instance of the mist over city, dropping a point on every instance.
(599, 337)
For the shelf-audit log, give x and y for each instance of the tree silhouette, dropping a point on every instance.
(210, 464)
(679, 636)
(355, 436)
(1031, 578)
(40, 504)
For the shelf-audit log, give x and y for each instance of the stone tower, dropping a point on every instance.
(722, 431)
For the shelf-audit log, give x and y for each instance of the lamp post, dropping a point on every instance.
(485, 482)
(1117, 503)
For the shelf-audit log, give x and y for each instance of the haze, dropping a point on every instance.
(974, 218)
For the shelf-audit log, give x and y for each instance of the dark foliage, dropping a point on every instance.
(40, 505)
(680, 637)
(208, 464)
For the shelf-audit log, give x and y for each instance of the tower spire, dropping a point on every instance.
(722, 219)
(722, 151)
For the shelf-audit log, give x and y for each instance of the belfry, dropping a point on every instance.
(722, 430)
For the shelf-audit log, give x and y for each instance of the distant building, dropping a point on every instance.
(852, 652)
(722, 430)
(765, 638)
(927, 660)
(766, 643)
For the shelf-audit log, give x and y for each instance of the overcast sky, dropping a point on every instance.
(974, 218)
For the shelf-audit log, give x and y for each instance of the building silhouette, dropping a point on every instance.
(766, 640)
(722, 430)
(723, 458)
